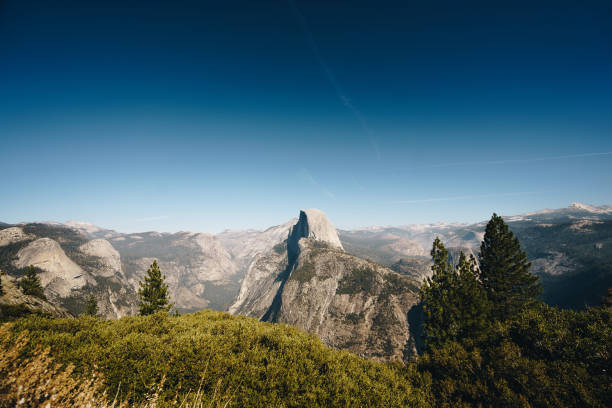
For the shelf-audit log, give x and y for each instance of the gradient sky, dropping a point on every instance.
(195, 115)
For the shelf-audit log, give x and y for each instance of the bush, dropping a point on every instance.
(255, 364)
(13, 312)
(545, 357)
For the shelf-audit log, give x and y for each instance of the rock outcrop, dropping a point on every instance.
(60, 274)
(315, 225)
(71, 267)
(199, 271)
(245, 245)
(12, 235)
(350, 303)
(110, 260)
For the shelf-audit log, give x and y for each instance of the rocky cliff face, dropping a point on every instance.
(13, 235)
(245, 246)
(350, 303)
(60, 274)
(70, 267)
(110, 260)
(199, 271)
(313, 224)
(202, 270)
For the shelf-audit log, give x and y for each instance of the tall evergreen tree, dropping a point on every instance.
(30, 284)
(91, 306)
(436, 295)
(504, 271)
(1, 290)
(471, 298)
(454, 301)
(153, 292)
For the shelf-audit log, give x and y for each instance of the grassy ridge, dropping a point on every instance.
(255, 364)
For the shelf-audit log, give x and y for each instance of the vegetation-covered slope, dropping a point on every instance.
(255, 364)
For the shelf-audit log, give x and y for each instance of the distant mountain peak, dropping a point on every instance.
(83, 226)
(590, 208)
(314, 224)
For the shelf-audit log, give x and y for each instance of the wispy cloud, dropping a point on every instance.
(305, 175)
(466, 197)
(155, 218)
(331, 78)
(508, 161)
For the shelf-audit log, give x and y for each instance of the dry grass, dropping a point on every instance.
(38, 381)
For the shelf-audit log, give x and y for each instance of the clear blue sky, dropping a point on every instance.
(195, 115)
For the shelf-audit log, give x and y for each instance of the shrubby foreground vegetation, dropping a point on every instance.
(488, 342)
(236, 359)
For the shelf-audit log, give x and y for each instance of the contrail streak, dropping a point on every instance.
(331, 78)
(307, 176)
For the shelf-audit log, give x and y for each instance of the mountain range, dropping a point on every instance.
(356, 289)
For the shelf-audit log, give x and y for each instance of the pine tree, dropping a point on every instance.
(471, 297)
(436, 295)
(153, 292)
(504, 271)
(1, 290)
(30, 284)
(455, 303)
(91, 306)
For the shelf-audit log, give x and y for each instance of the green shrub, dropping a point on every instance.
(12, 312)
(259, 364)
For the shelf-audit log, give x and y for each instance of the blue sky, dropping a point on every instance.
(203, 116)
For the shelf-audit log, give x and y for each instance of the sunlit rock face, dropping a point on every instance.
(13, 234)
(110, 260)
(350, 303)
(314, 224)
(60, 273)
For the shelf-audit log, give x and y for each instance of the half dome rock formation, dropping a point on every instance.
(350, 303)
(61, 274)
(314, 224)
(256, 290)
